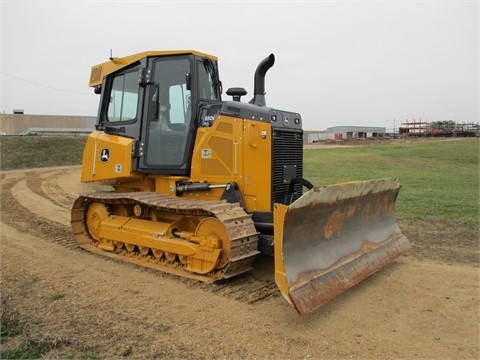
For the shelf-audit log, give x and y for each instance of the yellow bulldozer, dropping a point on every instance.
(201, 186)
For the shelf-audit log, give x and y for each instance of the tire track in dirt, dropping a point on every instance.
(45, 185)
(25, 221)
(247, 288)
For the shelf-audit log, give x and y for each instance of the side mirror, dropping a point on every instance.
(188, 79)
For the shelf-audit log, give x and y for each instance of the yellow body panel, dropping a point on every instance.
(257, 166)
(106, 157)
(217, 155)
(239, 150)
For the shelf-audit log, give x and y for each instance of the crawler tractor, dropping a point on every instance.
(201, 186)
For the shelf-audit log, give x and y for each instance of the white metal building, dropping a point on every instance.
(345, 132)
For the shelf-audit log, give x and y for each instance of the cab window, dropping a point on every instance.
(123, 100)
(179, 103)
(207, 88)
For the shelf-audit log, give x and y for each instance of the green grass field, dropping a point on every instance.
(440, 178)
(438, 205)
(21, 152)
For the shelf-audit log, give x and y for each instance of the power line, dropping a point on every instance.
(43, 85)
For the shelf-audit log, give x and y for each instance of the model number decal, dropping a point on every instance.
(206, 153)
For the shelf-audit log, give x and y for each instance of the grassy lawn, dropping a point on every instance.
(440, 178)
(438, 204)
(21, 152)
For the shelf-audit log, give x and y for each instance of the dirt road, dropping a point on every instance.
(86, 306)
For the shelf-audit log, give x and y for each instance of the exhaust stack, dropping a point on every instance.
(259, 80)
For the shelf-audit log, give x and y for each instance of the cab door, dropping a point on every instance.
(167, 131)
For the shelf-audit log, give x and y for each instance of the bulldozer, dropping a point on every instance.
(199, 186)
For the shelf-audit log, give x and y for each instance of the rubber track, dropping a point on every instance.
(238, 224)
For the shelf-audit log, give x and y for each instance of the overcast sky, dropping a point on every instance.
(371, 63)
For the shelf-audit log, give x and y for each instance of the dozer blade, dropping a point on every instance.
(333, 237)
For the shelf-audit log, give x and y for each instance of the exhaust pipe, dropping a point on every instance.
(259, 80)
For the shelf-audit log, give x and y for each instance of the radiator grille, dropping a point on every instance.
(287, 151)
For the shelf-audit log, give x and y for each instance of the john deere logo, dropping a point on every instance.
(105, 155)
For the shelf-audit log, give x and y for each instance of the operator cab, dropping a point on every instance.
(155, 101)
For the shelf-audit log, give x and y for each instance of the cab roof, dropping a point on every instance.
(116, 63)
